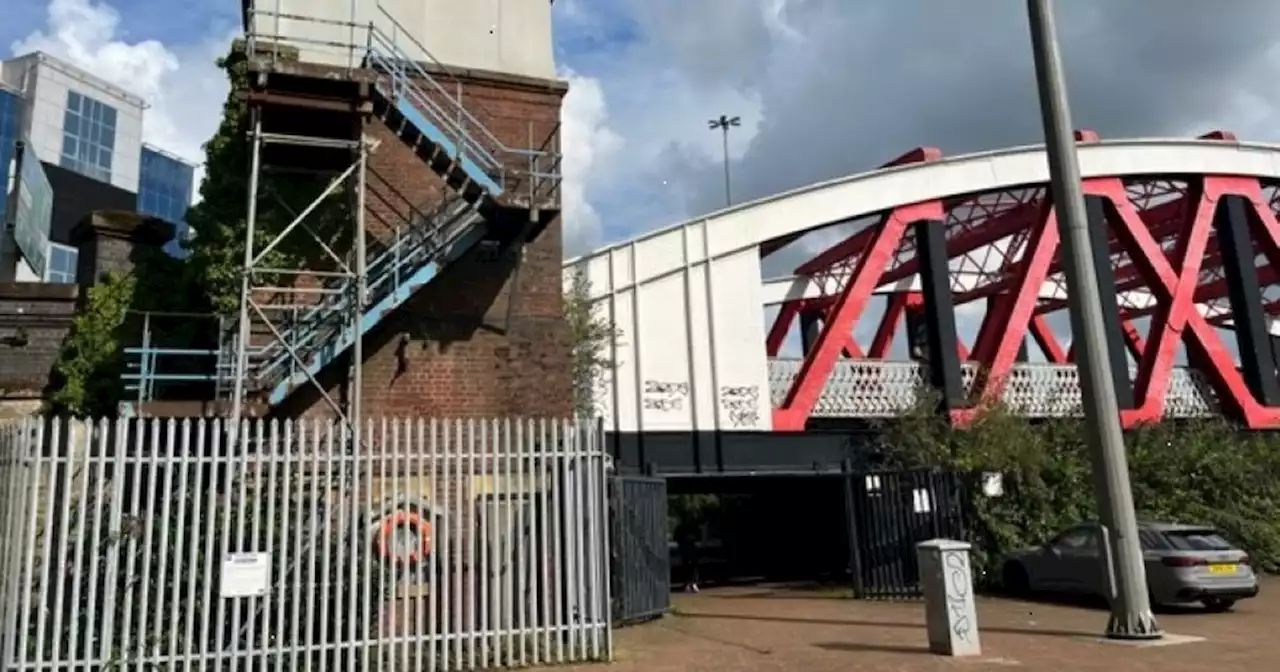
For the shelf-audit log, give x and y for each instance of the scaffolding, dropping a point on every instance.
(287, 313)
(255, 284)
(307, 117)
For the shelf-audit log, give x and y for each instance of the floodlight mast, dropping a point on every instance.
(723, 124)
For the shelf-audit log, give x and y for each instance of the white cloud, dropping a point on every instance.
(180, 82)
(590, 146)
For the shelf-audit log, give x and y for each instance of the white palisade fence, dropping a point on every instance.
(426, 546)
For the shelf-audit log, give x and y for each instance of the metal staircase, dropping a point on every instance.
(485, 177)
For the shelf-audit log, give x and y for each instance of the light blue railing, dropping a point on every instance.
(387, 270)
(417, 93)
(318, 332)
(442, 117)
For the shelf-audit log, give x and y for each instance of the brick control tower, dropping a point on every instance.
(438, 122)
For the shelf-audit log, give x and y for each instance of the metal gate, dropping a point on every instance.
(641, 553)
(889, 513)
(427, 546)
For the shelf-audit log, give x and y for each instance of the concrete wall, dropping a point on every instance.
(507, 36)
(449, 350)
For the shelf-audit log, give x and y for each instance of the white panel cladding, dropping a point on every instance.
(689, 353)
(507, 36)
(742, 373)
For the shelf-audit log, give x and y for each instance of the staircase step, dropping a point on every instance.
(475, 231)
(447, 146)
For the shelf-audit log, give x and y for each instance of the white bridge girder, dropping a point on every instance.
(687, 300)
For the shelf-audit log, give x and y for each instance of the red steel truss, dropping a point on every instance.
(1164, 257)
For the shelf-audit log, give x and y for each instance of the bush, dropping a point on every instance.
(1202, 472)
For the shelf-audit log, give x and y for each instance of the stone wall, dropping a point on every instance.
(34, 320)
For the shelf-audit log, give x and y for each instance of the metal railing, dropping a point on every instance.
(323, 322)
(400, 56)
(162, 361)
(469, 133)
(442, 545)
(871, 389)
(392, 268)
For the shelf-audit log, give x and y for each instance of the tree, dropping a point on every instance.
(592, 336)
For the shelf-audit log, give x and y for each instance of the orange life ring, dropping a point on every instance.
(409, 519)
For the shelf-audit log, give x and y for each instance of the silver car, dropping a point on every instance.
(1185, 563)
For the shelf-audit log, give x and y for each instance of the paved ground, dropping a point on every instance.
(765, 629)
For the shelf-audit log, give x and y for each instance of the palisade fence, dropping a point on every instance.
(428, 545)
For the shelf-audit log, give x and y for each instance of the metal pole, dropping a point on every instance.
(357, 310)
(1131, 616)
(251, 215)
(728, 199)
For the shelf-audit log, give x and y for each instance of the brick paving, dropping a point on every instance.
(789, 630)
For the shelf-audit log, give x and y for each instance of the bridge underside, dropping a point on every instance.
(1190, 271)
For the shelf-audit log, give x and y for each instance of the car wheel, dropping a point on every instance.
(1218, 604)
(1015, 579)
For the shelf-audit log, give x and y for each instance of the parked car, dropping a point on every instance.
(1184, 563)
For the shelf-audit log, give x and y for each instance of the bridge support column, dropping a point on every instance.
(1253, 341)
(939, 315)
(1096, 211)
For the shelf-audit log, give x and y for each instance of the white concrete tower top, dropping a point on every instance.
(503, 36)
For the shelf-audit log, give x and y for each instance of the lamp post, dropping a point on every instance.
(723, 123)
(1131, 616)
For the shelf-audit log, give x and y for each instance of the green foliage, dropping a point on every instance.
(591, 335)
(694, 509)
(87, 372)
(1201, 472)
(220, 218)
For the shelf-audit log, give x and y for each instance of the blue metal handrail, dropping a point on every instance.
(409, 250)
(460, 109)
(392, 268)
(389, 268)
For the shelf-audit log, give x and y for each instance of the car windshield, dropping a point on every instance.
(1197, 540)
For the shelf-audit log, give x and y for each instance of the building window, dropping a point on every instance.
(164, 190)
(10, 108)
(88, 136)
(62, 264)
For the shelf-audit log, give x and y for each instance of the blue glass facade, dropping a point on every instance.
(88, 136)
(164, 191)
(10, 109)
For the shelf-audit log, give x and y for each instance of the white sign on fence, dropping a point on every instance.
(245, 574)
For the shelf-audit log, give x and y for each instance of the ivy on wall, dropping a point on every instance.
(87, 373)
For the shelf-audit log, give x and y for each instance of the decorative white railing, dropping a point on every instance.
(876, 389)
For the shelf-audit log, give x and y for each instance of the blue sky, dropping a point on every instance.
(824, 87)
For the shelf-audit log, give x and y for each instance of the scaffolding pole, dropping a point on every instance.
(251, 216)
(290, 356)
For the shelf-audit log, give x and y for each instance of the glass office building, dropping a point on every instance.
(165, 184)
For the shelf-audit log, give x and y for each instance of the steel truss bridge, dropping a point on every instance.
(1185, 237)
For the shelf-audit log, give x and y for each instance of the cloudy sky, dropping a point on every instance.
(824, 87)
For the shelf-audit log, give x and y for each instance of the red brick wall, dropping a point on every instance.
(450, 351)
